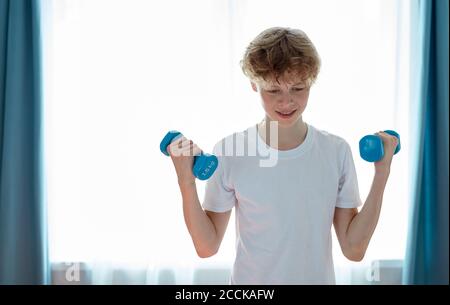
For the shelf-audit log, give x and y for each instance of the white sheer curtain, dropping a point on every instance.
(120, 73)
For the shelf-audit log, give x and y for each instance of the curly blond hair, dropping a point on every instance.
(279, 53)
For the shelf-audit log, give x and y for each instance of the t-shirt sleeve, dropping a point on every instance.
(348, 190)
(219, 194)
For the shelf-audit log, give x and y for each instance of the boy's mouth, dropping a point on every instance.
(286, 115)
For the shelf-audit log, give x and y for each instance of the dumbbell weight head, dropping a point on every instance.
(371, 148)
(169, 138)
(204, 166)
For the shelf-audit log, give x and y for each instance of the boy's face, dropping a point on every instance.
(283, 101)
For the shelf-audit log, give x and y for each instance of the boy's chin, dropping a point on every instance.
(284, 124)
(287, 123)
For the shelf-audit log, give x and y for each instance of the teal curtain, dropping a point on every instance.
(23, 247)
(427, 256)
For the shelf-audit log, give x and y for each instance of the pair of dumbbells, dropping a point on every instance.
(371, 149)
(371, 146)
(204, 164)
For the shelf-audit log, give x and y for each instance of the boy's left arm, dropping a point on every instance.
(354, 229)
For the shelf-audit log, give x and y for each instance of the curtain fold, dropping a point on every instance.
(23, 246)
(427, 256)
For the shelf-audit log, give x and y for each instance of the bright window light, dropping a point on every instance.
(120, 74)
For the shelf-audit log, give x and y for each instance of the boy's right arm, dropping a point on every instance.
(206, 228)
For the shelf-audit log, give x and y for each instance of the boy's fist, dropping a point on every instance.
(182, 152)
(390, 143)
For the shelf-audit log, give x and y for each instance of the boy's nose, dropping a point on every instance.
(285, 100)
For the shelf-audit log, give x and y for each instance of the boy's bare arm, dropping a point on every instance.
(355, 229)
(206, 228)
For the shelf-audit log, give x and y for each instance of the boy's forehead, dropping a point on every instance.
(282, 82)
(287, 79)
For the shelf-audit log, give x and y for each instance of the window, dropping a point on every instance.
(119, 74)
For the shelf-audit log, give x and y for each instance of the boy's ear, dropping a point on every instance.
(254, 87)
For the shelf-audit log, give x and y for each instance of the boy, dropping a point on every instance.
(284, 212)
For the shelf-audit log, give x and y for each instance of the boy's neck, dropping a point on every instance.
(288, 137)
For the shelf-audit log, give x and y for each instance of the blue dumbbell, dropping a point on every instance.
(204, 164)
(371, 146)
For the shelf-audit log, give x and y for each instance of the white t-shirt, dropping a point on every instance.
(284, 213)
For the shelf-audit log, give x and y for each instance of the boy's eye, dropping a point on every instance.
(298, 89)
(273, 91)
